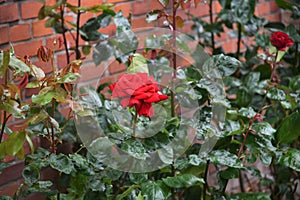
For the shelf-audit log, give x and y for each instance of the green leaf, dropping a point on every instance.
(243, 98)
(263, 128)
(152, 190)
(284, 4)
(102, 52)
(61, 163)
(181, 181)
(138, 64)
(4, 62)
(86, 49)
(164, 2)
(289, 130)
(5, 198)
(295, 83)
(37, 72)
(68, 78)
(15, 142)
(31, 174)
(290, 158)
(223, 157)
(229, 173)
(250, 196)
(44, 96)
(18, 65)
(127, 192)
(12, 107)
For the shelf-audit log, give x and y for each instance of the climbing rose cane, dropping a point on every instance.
(139, 91)
(281, 41)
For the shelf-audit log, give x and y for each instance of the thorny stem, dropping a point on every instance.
(77, 31)
(52, 128)
(205, 180)
(64, 32)
(239, 26)
(174, 7)
(5, 118)
(211, 22)
(274, 66)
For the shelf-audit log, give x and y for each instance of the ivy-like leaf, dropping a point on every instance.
(250, 196)
(138, 64)
(290, 158)
(31, 174)
(223, 157)
(152, 190)
(181, 181)
(61, 163)
(289, 130)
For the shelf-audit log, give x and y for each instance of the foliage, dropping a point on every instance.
(261, 96)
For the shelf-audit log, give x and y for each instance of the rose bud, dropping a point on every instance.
(281, 41)
(44, 53)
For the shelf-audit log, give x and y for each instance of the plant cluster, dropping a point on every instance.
(246, 108)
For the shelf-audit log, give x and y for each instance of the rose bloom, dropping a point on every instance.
(281, 41)
(139, 91)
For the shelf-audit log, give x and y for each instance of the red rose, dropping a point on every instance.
(138, 90)
(281, 41)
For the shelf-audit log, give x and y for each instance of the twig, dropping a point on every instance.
(239, 26)
(205, 180)
(64, 32)
(77, 31)
(211, 22)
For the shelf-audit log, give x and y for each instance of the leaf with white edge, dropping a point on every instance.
(290, 158)
(181, 181)
(12, 107)
(69, 78)
(225, 65)
(289, 130)
(138, 64)
(276, 94)
(152, 190)
(153, 16)
(223, 157)
(247, 112)
(61, 163)
(37, 72)
(18, 65)
(31, 174)
(263, 128)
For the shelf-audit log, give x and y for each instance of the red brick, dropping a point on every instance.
(10, 188)
(84, 17)
(27, 48)
(114, 1)
(228, 46)
(262, 9)
(12, 172)
(19, 32)
(273, 7)
(45, 66)
(4, 35)
(200, 11)
(109, 30)
(140, 7)
(116, 67)
(91, 72)
(140, 22)
(39, 29)
(9, 13)
(216, 7)
(62, 59)
(273, 18)
(30, 9)
(31, 91)
(155, 5)
(124, 7)
(59, 43)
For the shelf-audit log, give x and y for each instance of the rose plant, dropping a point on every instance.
(245, 112)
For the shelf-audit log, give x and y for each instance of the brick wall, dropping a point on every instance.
(20, 27)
